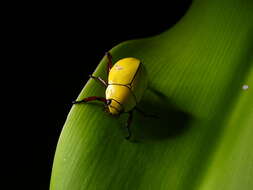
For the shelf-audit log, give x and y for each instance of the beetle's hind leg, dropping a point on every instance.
(145, 114)
(128, 124)
(100, 80)
(109, 64)
(108, 68)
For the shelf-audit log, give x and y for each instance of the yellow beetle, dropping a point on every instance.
(127, 81)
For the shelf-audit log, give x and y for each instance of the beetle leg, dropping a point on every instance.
(91, 98)
(129, 121)
(109, 64)
(145, 114)
(99, 79)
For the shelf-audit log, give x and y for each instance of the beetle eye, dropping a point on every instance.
(108, 102)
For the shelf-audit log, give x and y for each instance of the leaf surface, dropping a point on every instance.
(203, 137)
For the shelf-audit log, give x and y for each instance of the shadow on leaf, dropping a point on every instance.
(169, 121)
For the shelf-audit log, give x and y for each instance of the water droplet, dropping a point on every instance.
(245, 87)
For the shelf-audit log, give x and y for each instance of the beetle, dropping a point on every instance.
(127, 81)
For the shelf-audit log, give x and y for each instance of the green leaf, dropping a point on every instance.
(203, 138)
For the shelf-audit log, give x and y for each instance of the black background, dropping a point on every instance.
(63, 45)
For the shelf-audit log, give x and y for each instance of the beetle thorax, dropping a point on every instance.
(122, 98)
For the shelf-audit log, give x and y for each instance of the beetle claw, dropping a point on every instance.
(77, 102)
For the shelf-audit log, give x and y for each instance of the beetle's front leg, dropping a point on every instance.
(91, 98)
(128, 124)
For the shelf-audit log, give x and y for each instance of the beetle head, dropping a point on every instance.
(114, 107)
